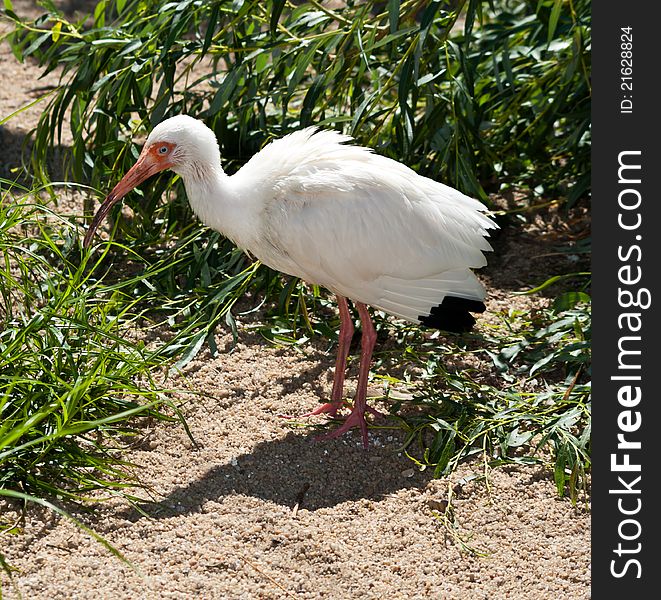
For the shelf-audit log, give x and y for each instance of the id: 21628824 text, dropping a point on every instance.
(626, 70)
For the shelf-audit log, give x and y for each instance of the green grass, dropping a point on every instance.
(70, 379)
(459, 414)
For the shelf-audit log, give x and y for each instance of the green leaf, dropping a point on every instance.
(553, 19)
(517, 438)
(278, 5)
(100, 14)
(55, 31)
(36, 44)
(568, 300)
(551, 280)
(393, 14)
(309, 102)
(446, 455)
(559, 474)
(225, 90)
(193, 347)
(211, 28)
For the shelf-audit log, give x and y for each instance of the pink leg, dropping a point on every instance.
(345, 337)
(357, 416)
(344, 343)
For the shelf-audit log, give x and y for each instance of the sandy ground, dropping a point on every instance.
(260, 510)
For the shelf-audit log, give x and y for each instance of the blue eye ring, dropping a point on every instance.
(163, 150)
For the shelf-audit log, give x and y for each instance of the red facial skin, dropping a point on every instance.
(152, 160)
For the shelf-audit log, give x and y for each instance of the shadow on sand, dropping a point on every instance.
(299, 470)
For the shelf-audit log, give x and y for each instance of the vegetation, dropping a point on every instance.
(487, 98)
(69, 378)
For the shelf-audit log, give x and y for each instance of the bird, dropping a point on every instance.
(315, 205)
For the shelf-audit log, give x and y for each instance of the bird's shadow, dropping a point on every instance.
(297, 471)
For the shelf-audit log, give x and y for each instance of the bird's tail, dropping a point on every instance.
(444, 301)
(453, 314)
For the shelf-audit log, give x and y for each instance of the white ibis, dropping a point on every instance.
(364, 226)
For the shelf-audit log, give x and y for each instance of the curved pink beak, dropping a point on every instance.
(148, 164)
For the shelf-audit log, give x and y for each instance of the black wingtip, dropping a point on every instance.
(453, 314)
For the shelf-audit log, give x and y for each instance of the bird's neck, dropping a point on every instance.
(216, 200)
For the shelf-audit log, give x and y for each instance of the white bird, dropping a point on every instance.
(314, 206)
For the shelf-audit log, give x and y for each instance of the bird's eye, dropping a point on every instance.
(163, 150)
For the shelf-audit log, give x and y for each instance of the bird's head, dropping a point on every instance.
(183, 144)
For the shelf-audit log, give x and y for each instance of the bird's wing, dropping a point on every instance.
(356, 222)
(354, 211)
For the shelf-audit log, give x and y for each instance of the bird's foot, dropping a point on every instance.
(329, 408)
(355, 419)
